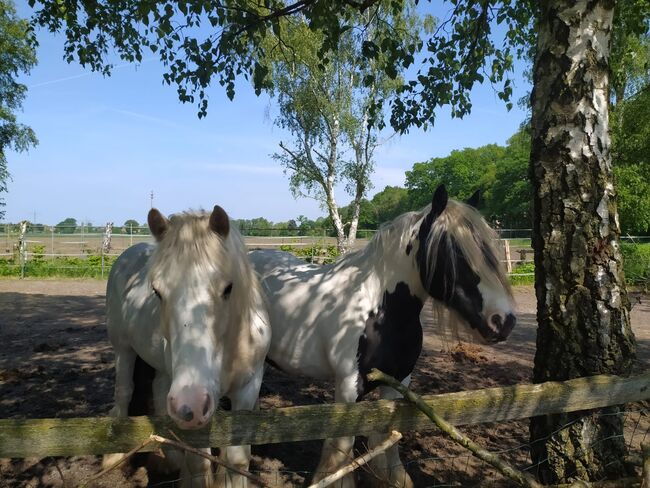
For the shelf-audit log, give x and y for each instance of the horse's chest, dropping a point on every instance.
(392, 339)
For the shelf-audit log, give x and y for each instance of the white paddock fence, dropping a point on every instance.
(91, 249)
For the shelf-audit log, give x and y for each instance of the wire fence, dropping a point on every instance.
(452, 466)
(89, 251)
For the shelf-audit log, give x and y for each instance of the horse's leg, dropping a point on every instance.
(338, 452)
(388, 466)
(240, 456)
(124, 364)
(196, 471)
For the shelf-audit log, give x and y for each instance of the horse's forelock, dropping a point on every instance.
(189, 241)
(460, 227)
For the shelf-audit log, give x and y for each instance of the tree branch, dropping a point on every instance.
(454, 434)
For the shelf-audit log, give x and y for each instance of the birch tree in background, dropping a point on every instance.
(329, 106)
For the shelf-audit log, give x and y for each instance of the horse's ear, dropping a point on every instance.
(474, 199)
(219, 222)
(158, 223)
(439, 201)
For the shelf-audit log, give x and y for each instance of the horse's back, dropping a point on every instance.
(306, 311)
(270, 261)
(128, 273)
(132, 315)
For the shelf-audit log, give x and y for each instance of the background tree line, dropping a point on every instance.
(501, 173)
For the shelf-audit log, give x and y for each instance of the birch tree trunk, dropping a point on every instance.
(354, 225)
(583, 309)
(336, 218)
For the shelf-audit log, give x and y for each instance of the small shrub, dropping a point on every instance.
(316, 253)
(636, 264)
(38, 253)
(9, 267)
(521, 274)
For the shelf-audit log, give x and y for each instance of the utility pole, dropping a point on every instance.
(151, 198)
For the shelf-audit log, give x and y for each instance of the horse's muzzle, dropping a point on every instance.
(502, 327)
(191, 407)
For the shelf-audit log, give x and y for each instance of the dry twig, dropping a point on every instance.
(358, 462)
(116, 464)
(187, 448)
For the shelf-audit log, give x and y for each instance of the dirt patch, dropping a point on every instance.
(56, 362)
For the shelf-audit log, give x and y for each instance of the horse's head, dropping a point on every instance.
(196, 274)
(457, 263)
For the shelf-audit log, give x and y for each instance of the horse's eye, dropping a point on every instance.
(157, 293)
(227, 291)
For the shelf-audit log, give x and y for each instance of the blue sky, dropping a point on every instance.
(106, 143)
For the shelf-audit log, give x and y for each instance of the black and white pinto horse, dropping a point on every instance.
(363, 311)
(190, 306)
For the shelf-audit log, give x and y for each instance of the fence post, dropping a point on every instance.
(22, 248)
(506, 248)
(106, 243)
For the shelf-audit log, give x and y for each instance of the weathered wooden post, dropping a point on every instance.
(22, 248)
(506, 249)
(106, 243)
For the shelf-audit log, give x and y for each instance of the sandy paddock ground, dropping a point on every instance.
(56, 362)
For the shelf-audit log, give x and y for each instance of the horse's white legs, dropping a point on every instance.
(388, 466)
(124, 364)
(338, 452)
(196, 472)
(240, 456)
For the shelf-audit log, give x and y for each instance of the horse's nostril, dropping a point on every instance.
(185, 413)
(497, 321)
(206, 405)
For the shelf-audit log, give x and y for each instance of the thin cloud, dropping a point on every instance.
(85, 74)
(59, 80)
(148, 118)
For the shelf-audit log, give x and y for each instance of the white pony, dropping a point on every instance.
(190, 306)
(341, 320)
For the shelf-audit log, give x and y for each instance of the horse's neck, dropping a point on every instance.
(390, 263)
(248, 338)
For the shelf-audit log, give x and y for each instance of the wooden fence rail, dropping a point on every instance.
(77, 436)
